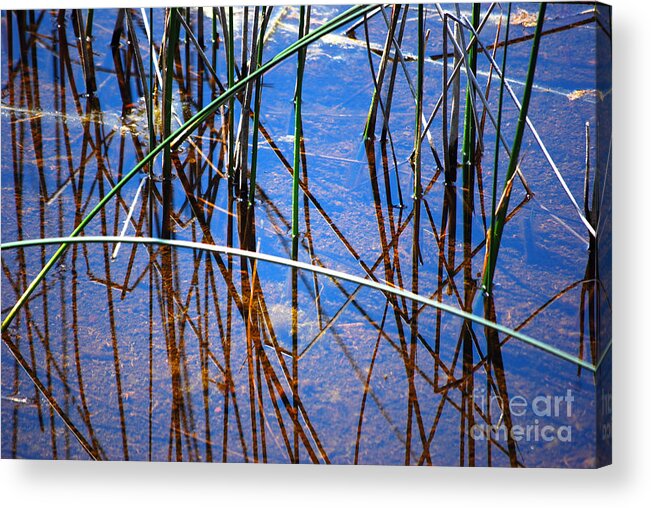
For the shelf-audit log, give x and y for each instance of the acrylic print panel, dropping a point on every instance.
(319, 234)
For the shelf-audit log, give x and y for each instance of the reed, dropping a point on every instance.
(170, 46)
(369, 129)
(257, 102)
(418, 187)
(494, 236)
(229, 28)
(298, 131)
(470, 126)
(303, 28)
(488, 280)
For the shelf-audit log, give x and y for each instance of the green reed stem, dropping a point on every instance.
(418, 188)
(369, 129)
(152, 85)
(89, 23)
(497, 226)
(257, 101)
(214, 38)
(496, 157)
(172, 33)
(230, 57)
(133, 37)
(469, 127)
(298, 132)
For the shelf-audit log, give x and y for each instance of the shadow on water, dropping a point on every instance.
(130, 351)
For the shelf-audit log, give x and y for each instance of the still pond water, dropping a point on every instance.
(147, 352)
